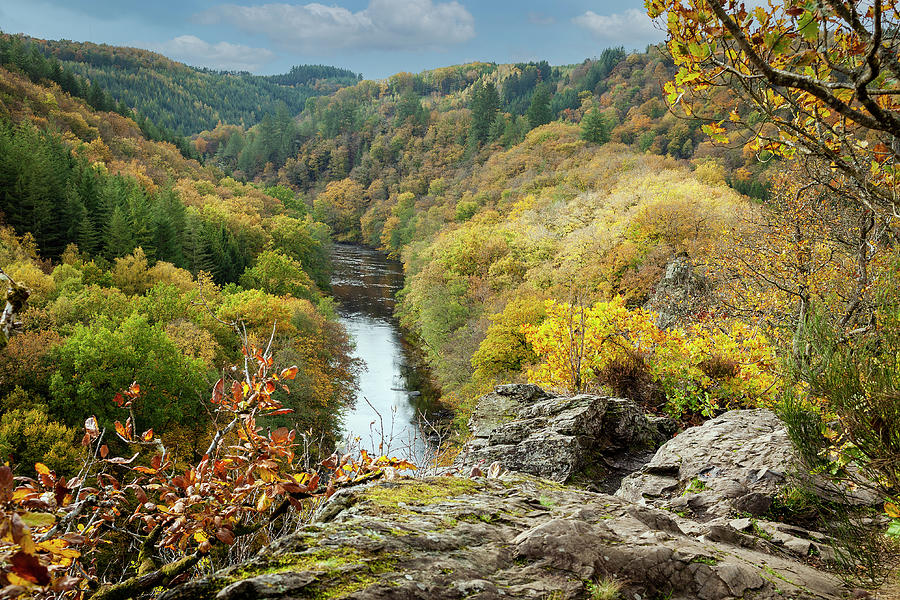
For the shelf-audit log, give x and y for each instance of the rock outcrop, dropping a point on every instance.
(735, 463)
(689, 524)
(680, 294)
(512, 537)
(594, 440)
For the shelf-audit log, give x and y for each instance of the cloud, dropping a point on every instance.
(537, 18)
(383, 25)
(632, 27)
(194, 51)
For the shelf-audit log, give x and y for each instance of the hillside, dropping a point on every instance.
(137, 260)
(504, 187)
(188, 100)
(385, 131)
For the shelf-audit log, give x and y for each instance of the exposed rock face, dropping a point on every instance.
(680, 293)
(592, 439)
(513, 537)
(738, 461)
(735, 463)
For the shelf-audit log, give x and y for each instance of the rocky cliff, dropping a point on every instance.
(520, 535)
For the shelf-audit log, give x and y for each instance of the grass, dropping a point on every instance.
(605, 589)
(546, 501)
(694, 487)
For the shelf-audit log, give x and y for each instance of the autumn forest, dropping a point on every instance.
(706, 225)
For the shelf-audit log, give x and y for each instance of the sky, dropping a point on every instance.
(374, 37)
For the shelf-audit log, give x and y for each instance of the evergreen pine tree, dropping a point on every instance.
(485, 107)
(118, 235)
(86, 237)
(539, 110)
(594, 127)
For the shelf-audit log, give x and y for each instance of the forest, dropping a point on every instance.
(166, 233)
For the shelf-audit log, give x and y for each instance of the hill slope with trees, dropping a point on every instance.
(185, 99)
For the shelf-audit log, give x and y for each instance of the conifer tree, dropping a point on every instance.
(539, 110)
(485, 107)
(119, 241)
(594, 127)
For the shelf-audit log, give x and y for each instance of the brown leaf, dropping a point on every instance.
(66, 583)
(21, 533)
(280, 411)
(60, 491)
(29, 568)
(6, 483)
(90, 426)
(218, 393)
(331, 462)
(882, 152)
(237, 391)
(226, 536)
(104, 451)
(280, 435)
(122, 461)
(118, 399)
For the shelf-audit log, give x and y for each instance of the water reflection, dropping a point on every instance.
(364, 282)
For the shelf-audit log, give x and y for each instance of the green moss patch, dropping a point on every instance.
(388, 497)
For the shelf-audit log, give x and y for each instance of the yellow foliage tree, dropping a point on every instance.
(700, 371)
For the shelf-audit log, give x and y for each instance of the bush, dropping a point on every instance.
(29, 436)
(699, 371)
(842, 412)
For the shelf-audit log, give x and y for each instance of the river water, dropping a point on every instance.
(394, 388)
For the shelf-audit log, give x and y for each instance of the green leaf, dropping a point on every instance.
(808, 26)
(33, 519)
(893, 529)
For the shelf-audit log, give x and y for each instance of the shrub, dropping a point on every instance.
(699, 371)
(29, 436)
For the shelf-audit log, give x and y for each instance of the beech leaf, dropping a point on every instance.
(28, 567)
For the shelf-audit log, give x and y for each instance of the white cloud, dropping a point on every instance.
(194, 51)
(383, 25)
(632, 27)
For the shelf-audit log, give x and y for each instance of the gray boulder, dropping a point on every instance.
(735, 463)
(513, 537)
(588, 439)
(738, 461)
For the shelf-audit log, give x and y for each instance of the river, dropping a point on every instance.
(365, 283)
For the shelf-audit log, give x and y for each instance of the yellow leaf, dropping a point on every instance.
(264, 503)
(59, 548)
(892, 510)
(200, 537)
(16, 580)
(42, 469)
